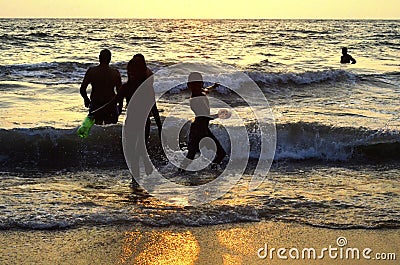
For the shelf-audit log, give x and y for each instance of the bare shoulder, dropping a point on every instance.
(115, 71)
(90, 71)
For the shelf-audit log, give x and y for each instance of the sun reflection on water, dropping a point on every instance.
(160, 247)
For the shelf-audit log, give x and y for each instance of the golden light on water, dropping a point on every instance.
(224, 246)
(160, 247)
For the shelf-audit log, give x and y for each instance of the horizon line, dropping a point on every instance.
(171, 18)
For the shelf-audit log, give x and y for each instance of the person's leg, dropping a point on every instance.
(99, 120)
(98, 117)
(220, 153)
(193, 146)
(134, 164)
(191, 153)
(114, 116)
(147, 130)
(111, 117)
(195, 137)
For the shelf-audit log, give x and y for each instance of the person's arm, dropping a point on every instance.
(154, 109)
(209, 88)
(119, 98)
(84, 85)
(118, 82)
(156, 115)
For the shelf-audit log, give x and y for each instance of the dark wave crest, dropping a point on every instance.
(59, 148)
(72, 72)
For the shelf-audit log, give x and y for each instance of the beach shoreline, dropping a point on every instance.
(240, 243)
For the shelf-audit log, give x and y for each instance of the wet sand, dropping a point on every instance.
(220, 244)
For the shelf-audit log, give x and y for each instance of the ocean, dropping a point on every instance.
(336, 163)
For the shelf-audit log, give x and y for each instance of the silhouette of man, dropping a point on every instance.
(199, 128)
(105, 82)
(346, 58)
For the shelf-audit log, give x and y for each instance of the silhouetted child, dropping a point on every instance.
(199, 128)
(346, 58)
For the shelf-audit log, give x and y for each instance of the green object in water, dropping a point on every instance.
(87, 124)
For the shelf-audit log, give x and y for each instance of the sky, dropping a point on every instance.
(266, 9)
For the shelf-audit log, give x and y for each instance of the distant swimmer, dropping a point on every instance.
(105, 82)
(346, 58)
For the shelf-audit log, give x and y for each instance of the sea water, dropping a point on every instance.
(337, 155)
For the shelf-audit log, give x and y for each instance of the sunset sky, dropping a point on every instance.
(341, 9)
